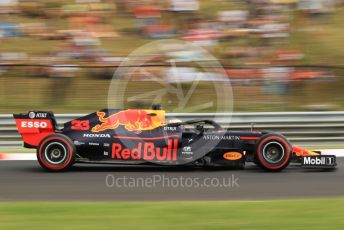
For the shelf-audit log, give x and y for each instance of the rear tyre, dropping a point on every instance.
(273, 152)
(56, 153)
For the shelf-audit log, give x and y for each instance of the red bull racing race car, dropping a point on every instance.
(136, 136)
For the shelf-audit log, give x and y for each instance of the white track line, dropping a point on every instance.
(18, 157)
(336, 152)
(32, 156)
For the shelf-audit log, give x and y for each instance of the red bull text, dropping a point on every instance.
(146, 151)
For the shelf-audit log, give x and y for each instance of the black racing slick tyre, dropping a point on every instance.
(273, 152)
(56, 152)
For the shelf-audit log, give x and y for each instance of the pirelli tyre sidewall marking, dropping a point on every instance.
(45, 161)
(287, 152)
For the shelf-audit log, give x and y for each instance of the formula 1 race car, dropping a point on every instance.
(137, 136)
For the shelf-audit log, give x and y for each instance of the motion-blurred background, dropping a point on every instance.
(280, 55)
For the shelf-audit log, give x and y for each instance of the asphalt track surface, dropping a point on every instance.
(25, 180)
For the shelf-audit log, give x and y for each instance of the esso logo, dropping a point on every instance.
(34, 124)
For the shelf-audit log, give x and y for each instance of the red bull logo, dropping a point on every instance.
(303, 152)
(146, 151)
(132, 119)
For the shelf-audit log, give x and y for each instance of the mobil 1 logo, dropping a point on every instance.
(319, 161)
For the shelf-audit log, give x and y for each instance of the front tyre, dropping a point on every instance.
(273, 152)
(56, 152)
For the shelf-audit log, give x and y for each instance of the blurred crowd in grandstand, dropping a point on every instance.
(255, 40)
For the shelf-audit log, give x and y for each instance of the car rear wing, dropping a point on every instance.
(35, 126)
